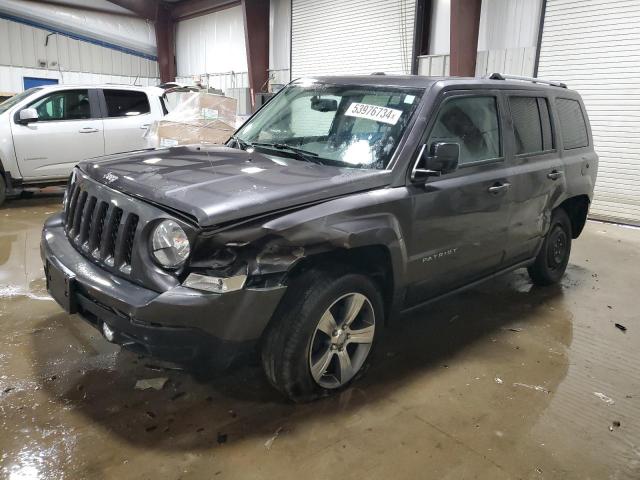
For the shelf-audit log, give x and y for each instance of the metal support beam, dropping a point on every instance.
(465, 24)
(166, 42)
(256, 31)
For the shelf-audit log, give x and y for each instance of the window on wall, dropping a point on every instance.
(126, 103)
(531, 124)
(472, 123)
(63, 105)
(572, 124)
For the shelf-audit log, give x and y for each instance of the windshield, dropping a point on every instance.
(7, 104)
(345, 125)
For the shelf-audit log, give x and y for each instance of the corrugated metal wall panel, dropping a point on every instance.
(23, 49)
(508, 24)
(279, 41)
(593, 46)
(331, 37)
(212, 43)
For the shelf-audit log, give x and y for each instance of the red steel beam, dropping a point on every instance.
(166, 43)
(256, 31)
(465, 23)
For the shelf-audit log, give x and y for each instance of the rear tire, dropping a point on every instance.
(3, 189)
(552, 260)
(321, 336)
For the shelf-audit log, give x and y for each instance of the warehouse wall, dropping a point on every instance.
(210, 50)
(98, 20)
(332, 37)
(595, 48)
(27, 52)
(506, 24)
(507, 38)
(280, 41)
(211, 44)
(439, 30)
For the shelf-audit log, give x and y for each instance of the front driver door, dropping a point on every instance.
(461, 218)
(68, 130)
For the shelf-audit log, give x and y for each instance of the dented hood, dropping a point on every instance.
(215, 185)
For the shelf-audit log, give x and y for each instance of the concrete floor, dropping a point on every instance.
(504, 381)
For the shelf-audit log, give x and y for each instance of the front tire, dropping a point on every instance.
(553, 257)
(322, 334)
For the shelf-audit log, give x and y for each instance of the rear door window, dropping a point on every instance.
(472, 123)
(63, 105)
(126, 103)
(531, 124)
(572, 124)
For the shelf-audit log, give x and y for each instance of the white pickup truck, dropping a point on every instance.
(46, 131)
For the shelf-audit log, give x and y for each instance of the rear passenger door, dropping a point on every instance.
(127, 116)
(537, 171)
(460, 219)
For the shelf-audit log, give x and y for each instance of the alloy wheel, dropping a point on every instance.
(342, 340)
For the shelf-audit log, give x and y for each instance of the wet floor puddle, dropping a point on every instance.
(497, 382)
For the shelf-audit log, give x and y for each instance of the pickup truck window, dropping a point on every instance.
(126, 103)
(531, 124)
(345, 125)
(63, 105)
(472, 123)
(572, 124)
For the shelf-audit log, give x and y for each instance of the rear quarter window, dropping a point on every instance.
(573, 127)
(126, 103)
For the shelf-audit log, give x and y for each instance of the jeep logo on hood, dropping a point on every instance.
(110, 177)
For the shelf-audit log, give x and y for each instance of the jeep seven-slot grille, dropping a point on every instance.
(100, 229)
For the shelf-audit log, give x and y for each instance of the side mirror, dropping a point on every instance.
(442, 158)
(27, 115)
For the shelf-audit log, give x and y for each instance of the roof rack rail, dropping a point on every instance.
(501, 76)
(378, 73)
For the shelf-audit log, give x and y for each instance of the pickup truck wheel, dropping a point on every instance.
(322, 334)
(3, 190)
(553, 257)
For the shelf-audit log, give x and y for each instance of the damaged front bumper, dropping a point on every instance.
(179, 324)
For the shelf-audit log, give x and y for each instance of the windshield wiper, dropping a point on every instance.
(300, 153)
(243, 144)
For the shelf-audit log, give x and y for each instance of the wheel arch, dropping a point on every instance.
(577, 209)
(374, 261)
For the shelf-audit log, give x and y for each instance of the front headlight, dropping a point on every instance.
(169, 244)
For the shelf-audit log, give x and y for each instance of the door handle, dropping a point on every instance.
(554, 175)
(88, 130)
(145, 126)
(499, 187)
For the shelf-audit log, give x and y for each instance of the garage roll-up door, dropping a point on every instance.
(594, 46)
(336, 37)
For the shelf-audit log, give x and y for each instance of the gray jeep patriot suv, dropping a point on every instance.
(341, 203)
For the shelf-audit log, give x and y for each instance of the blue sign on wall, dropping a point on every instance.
(30, 82)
